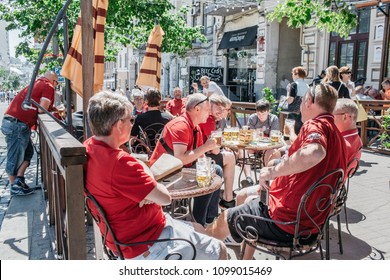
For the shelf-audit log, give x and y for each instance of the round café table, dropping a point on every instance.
(257, 148)
(182, 187)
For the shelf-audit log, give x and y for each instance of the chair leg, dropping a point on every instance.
(339, 232)
(346, 218)
(37, 174)
(242, 250)
(327, 253)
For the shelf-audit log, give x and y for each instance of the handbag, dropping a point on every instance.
(295, 106)
(362, 114)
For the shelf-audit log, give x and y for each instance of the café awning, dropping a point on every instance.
(238, 38)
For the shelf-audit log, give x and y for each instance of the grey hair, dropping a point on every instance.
(194, 99)
(219, 100)
(347, 105)
(105, 109)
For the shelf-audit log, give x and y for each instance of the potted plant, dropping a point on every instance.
(385, 137)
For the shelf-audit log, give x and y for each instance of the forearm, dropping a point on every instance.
(190, 156)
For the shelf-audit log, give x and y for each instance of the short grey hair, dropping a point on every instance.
(105, 109)
(347, 105)
(220, 100)
(195, 99)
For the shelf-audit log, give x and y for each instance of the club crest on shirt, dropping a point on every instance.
(314, 136)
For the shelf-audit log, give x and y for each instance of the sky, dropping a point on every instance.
(14, 40)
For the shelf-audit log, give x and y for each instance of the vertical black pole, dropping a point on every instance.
(68, 97)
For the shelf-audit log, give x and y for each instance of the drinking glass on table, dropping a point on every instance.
(205, 167)
(275, 136)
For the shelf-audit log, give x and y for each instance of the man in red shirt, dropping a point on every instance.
(345, 115)
(220, 106)
(129, 194)
(318, 149)
(16, 127)
(182, 138)
(177, 105)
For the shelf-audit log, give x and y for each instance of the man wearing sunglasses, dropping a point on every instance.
(182, 138)
(16, 127)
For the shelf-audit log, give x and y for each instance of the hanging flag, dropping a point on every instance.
(72, 67)
(150, 72)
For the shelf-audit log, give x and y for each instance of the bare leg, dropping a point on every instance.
(219, 228)
(22, 168)
(223, 253)
(11, 179)
(229, 163)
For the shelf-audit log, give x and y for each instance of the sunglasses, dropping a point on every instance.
(200, 102)
(348, 72)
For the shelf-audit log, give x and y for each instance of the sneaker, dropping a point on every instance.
(227, 204)
(229, 241)
(21, 188)
(247, 182)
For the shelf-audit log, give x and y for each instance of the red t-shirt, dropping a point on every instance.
(180, 130)
(354, 143)
(207, 127)
(42, 89)
(118, 182)
(286, 191)
(176, 106)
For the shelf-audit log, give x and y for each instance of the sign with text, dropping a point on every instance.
(214, 73)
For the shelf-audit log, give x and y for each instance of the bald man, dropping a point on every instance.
(17, 125)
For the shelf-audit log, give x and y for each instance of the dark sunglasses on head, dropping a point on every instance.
(200, 102)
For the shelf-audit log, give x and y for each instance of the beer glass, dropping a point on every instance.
(205, 168)
(275, 136)
(217, 136)
(288, 125)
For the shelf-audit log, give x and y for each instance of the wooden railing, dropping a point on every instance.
(62, 158)
(240, 112)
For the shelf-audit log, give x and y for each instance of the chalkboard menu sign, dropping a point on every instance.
(214, 73)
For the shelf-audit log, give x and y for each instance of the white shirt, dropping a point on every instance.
(213, 88)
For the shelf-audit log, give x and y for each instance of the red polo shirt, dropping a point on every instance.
(119, 183)
(176, 106)
(286, 191)
(207, 127)
(180, 131)
(42, 89)
(354, 143)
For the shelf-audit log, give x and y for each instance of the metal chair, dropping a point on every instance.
(150, 134)
(341, 202)
(108, 235)
(307, 236)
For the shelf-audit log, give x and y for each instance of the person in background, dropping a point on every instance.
(153, 117)
(220, 106)
(210, 87)
(120, 91)
(183, 139)
(265, 121)
(345, 116)
(296, 91)
(345, 76)
(128, 93)
(177, 105)
(333, 78)
(317, 80)
(128, 193)
(318, 149)
(385, 92)
(139, 100)
(195, 88)
(16, 127)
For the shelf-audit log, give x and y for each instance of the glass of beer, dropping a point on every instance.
(217, 136)
(203, 172)
(235, 133)
(227, 134)
(275, 136)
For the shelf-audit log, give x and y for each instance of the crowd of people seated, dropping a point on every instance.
(132, 198)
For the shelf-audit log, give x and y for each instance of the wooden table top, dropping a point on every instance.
(183, 184)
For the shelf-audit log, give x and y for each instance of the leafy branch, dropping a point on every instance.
(329, 15)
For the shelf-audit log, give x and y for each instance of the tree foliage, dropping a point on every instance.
(329, 15)
(9, 80)
(128, 22)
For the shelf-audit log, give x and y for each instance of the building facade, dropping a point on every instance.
(245, 52)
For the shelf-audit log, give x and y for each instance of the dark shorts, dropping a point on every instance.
(217, 158)
(265, 229)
